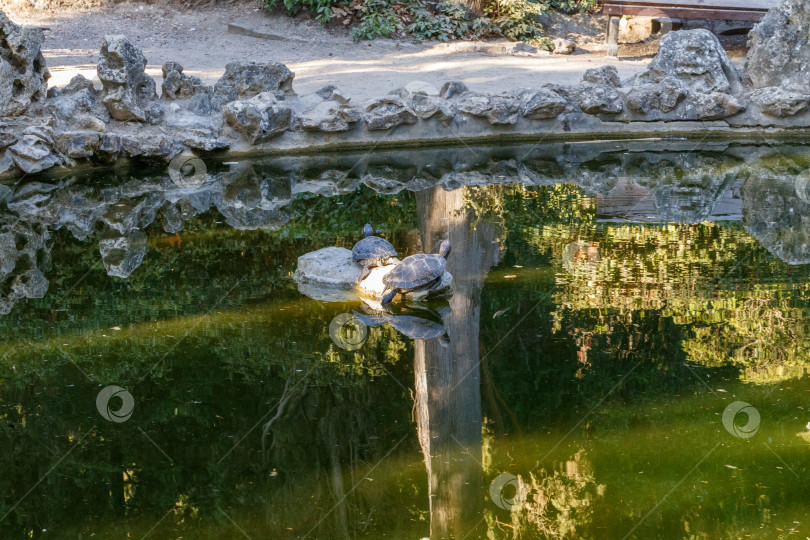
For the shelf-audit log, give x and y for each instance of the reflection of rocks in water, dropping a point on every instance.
(22, 251)
(250, 200)
(122, 254)
(777, 217)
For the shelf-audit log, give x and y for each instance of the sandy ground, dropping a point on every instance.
(199, 40)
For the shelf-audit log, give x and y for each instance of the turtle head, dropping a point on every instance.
(444, 249)
(389, 295)
(367, 230)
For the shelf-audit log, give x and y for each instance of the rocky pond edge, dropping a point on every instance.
(690, 87)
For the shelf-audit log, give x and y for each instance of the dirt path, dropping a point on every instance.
(199, 40)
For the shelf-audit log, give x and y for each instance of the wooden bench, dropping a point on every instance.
(727, 10)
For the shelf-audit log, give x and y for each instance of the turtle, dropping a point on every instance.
(413, 323)
(416, 272)
(373, 251)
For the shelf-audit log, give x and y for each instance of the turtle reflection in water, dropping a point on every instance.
(373, 251)
(416, 272)
(413, 322)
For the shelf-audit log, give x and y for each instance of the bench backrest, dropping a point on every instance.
(743, 10)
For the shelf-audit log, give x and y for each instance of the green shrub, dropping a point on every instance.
(423, 20)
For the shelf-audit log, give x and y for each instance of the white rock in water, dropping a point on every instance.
(331, 266)
(329, 273)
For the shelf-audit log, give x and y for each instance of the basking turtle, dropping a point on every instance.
(415, 272)
(373, 251)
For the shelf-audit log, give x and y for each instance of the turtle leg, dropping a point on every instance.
(389, 295)
(364, 274)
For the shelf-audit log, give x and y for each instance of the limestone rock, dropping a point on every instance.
(664, 96)
(600, 99)
(330, 116)
(128, 90)
(34, 152)
(713, 106)
(696, 59)
(452, 89)
(247, 79)
(542, 104)
(563, 46)
(177, 85)
(605, 75)
(23, 75)
(78, 145)
(499, 110)
(259, 118)
(427, 106)
(779, 102)
(388, 112)
(779, 47)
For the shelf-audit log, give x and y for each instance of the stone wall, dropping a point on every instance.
(691, 85)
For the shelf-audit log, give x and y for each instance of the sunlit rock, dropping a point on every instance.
(244, 80)
(388, 112)
(23, 75)
(129, 93)
(34, 152)
(779, 102)
(779, 48)
(259, 118)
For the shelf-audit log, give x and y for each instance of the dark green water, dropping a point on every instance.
(611, 301)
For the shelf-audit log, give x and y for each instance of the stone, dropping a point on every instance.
(713, 106)
(23, 75)
(78, 145)
(779, 47)
(542, 104)
(563, 46)
(388, 112)
(600, 99)
(427, 106)
(122, 254)
(128, 90)
(330, 117)
(498, 110)
(664, 96)
(248, 79)
(177, 85)
(34, 152)
(452, 89)
(779, 102)
(259, 118)
(605, 75)
(697, 60)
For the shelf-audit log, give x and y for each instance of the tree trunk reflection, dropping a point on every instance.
(447, 376)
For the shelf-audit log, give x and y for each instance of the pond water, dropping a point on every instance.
(624, 356)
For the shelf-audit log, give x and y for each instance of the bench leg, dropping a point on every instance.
(613, 35)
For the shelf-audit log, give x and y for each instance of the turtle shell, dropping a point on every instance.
(374, 249)
(417, 327)
(415, 271)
